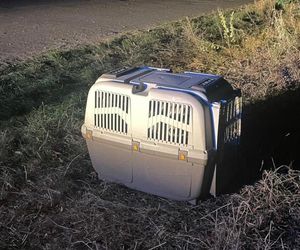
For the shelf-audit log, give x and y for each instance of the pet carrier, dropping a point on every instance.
(172, 135)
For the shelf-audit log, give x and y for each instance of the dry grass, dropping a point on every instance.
(50, 197)
(262, 64)
(108, 216)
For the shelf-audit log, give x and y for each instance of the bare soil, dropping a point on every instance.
(30, 27)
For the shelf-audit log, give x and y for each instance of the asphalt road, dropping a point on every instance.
(30, 27)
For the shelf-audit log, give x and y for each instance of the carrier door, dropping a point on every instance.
(229, 134)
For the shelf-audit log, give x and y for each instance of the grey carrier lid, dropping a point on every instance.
(215, 87)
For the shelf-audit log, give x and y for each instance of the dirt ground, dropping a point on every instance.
(30, 27)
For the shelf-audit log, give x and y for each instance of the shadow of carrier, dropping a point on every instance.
(271, 135)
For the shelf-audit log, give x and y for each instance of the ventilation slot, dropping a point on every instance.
(232, 114)
(112, 112)
(169, 122)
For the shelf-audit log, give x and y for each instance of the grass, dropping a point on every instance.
(49, 194)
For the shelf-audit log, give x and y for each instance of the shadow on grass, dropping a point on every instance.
(270, 135)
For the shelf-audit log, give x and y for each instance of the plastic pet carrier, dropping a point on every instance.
(172, 135)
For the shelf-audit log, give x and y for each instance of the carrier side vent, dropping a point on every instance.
(112, 112)
(169, 122)
(232, 113)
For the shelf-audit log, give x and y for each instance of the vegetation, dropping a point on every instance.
(49, 194)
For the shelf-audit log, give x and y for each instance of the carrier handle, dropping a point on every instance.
(139, 88)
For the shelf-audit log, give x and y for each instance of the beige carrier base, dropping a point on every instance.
(145, 170)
